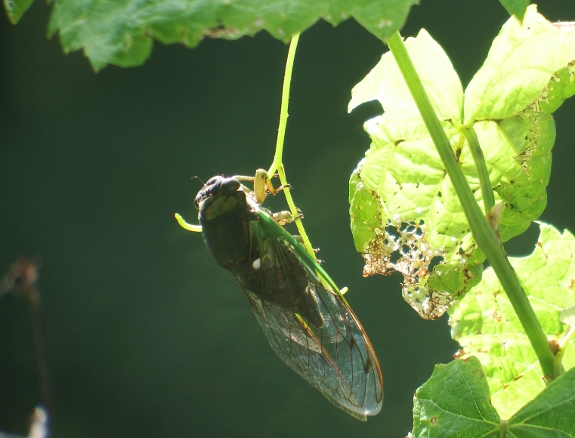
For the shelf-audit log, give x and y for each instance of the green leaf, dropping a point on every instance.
(402, 170)
(518, 154)
(419, 223)
(386, 84)
(551, 414)
(515, 7)
(455, 402)
(16, 8)
(366, 213)
(121, 32)
(486, 326)
(568, 316)
(520, 63)
(560, 87)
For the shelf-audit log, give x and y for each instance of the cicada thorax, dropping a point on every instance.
(263, 263)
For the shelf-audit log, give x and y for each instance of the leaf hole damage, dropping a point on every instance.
(402, 247)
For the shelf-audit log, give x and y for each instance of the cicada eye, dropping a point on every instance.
(205, 191)
(213, 180)
(197, 201)
(229, 185)
(199, 197)
(217, 185)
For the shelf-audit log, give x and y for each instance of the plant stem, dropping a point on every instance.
(479, 160)
(295, 213)
(484, 235)
(277, 163)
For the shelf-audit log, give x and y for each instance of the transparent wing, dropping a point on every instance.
(323, 341)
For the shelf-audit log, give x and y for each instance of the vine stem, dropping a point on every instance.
(486, 238)
(277, 163)
(479, 161)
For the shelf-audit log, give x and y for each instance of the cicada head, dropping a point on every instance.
(218, 196)
(217, 185)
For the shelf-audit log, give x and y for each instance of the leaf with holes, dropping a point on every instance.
(486, 326)
(419, 228)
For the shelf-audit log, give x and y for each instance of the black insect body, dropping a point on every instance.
(305, 318)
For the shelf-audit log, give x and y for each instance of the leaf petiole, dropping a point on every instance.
(480, 166)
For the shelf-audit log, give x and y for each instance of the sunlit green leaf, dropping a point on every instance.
(551, 414)
(568, 316)
(486, 326)
(419, 223)
(520, 63)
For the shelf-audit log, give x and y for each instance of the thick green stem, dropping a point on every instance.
(482, 232)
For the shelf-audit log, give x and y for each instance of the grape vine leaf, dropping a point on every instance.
(487, 327)
(515, 7)
(122, 32)
(568, 316)
(16, 8)
(551, 414)
(455, 402)
(418, 227)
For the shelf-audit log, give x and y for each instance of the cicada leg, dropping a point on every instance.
(285, 217)
(262, 184)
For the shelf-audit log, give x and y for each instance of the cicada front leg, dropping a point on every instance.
(263, 185)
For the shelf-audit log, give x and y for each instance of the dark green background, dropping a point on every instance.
(148, 337)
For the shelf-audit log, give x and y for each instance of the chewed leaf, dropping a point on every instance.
(518, 155)
(519, 65)
(417, 226)
(486, 326)
(405, 247)
(561, 86)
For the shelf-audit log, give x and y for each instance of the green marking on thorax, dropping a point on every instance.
(221, 205)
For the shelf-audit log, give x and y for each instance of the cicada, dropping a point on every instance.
(304, 316)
